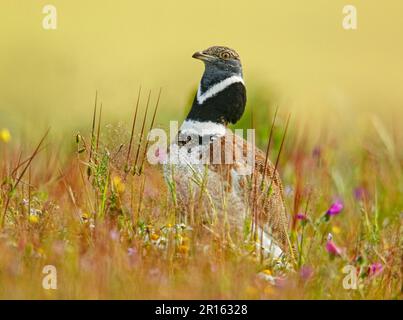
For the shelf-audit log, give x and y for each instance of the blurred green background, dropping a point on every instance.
(295, 53)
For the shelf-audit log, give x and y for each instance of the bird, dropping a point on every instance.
(218, 176)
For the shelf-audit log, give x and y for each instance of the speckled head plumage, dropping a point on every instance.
(225, 57)
(220, 63)
(221, 96)
(222, 52)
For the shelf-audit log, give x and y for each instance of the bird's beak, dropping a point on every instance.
(201, 56)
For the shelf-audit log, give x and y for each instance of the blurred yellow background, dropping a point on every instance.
(296, 49)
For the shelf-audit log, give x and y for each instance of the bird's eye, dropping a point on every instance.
(225, 55)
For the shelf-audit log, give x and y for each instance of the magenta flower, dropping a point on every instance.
(331, 246)
(375, 269)
(335, 208)
(301, 216)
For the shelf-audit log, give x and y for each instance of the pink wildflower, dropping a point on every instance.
(301, 216)
(375, 269)
(331, 247)
(335, 208)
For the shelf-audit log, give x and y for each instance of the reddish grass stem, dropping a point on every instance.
(268, 146)
(279, 152)
(151, 127)
(132, 132)
(93, 127)
(99, 128)
(141, 134)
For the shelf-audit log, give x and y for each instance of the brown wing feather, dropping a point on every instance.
(262, 188)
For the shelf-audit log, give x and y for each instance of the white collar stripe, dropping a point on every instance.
(203, 128)
(218, 87)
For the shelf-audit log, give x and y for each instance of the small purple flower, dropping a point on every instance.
(335, 208)
(375, 269)
(301, 216)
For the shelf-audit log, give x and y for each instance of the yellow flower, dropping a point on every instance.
(5, 135)
(336, 229)
(85, 217)
(267, 272)
(155, 237)
(33, 218)
(118, 184)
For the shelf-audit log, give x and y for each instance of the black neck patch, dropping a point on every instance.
(227, 106)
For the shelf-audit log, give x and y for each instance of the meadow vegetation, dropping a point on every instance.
(96, 210)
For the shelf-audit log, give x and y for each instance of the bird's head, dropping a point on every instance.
(220, 61)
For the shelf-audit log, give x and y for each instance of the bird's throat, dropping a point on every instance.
(215, 88)
(222, 102)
